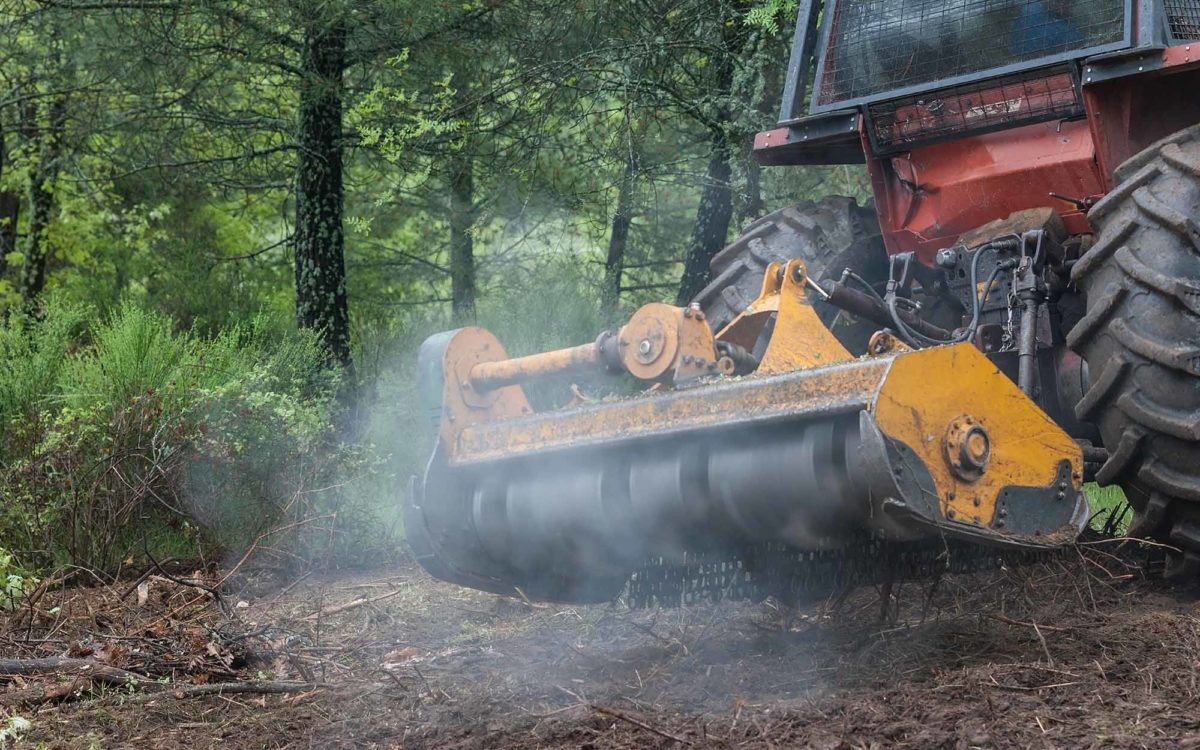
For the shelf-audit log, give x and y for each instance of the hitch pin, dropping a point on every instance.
(808, 280)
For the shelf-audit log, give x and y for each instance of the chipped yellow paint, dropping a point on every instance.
(926, 391)
(842, 389)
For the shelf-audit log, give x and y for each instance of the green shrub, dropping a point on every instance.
(150, 441)
(32, 355)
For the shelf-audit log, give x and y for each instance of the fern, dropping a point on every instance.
(769, 14)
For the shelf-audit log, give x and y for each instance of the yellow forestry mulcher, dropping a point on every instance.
(918, 386)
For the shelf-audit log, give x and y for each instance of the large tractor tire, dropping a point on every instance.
(1141, 341)
(829, 236)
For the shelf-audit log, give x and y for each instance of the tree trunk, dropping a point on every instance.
(41, 204)
(712, 221)
(320, 242)
(618, 238)
(462, 244)
(752, 206)
(715, 211)
(10, 211)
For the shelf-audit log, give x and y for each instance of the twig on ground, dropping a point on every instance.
(149, 571)
(1034, 625)
(1045, 648)
(222, 688)
(353, 604)
(262, 538)
(216, 595)
(288, 588)
(44, 694)
(626, 717)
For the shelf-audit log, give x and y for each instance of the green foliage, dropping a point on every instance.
(770, 14)
(14, 581)
(12, 729)
(32, 355)
(1110, 509)
(154, 441)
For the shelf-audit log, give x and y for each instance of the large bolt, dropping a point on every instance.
(968, 448)
(976, 447)
(645, 347)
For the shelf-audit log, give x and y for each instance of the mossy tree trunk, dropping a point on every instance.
(321, 302)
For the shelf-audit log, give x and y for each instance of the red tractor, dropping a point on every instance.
(981, 118)
(879, 390)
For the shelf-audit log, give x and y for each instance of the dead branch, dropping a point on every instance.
(61, 665)
(44, 694)
(154, 691)
(1034, 625)
(221, 688)
(626, 717)
(353, 604)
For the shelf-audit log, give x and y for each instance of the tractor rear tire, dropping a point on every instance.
(829, 236)
(1141, 340)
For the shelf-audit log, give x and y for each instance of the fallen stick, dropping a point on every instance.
(625, 717)
(1034, 625)
(220, 688)
(73, 667)
(345, 606)
(82, 680)
(45, 694)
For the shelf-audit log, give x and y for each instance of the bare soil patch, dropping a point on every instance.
(1071, 654)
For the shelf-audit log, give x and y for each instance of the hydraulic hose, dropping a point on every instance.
(914, 338)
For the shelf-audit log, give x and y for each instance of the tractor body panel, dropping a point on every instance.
(930, 196)
(948, 150)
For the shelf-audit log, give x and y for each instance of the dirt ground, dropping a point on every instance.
(1073, 654)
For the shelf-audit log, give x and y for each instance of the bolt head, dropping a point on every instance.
(977, 446)
(645, 346)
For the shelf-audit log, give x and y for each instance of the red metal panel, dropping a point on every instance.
(930, 196)
(1129, 113)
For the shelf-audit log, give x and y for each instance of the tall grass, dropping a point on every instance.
(1110, 509)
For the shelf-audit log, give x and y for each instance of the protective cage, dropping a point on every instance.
(1007, 102)
(879, 49)
(1183, 19)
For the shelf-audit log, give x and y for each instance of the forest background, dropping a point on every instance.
(227, 225)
